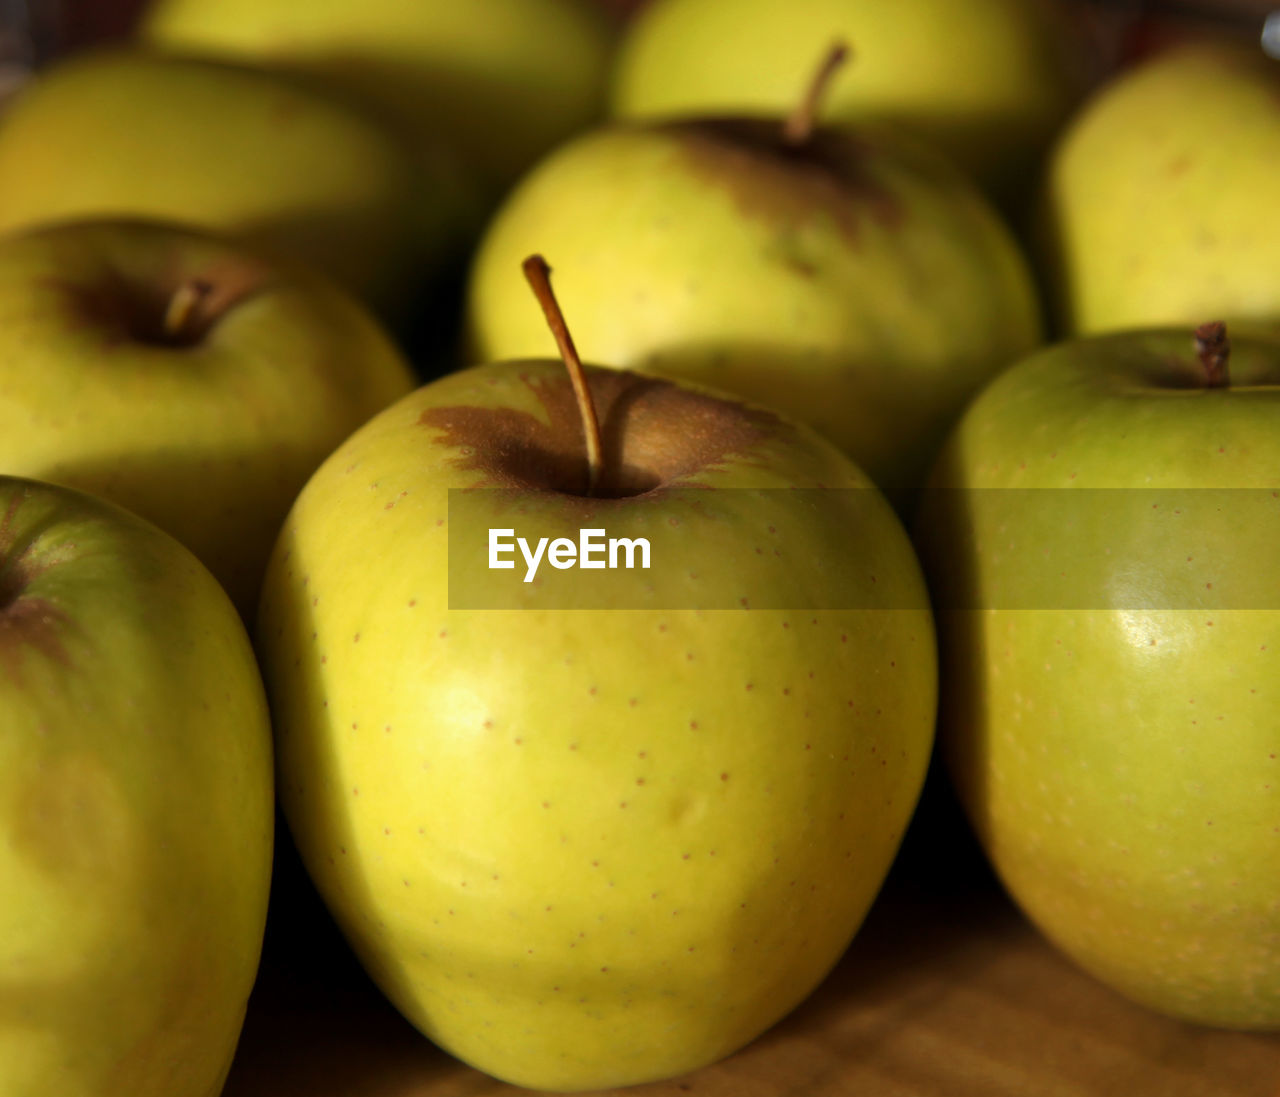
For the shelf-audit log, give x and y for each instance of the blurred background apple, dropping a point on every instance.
(124, 132)
(182, 377)
(500, 80)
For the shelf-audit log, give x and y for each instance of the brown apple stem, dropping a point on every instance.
(1213, 348)
(183, 305)
(539, 277)
(799, 125)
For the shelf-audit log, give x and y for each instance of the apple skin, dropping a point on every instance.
(586, 848)
(212, 440)
(860, 285)
(1119, 761)
(988, 81)
(501, 81)
(118, 132)
(136, 806)
(1158, 206)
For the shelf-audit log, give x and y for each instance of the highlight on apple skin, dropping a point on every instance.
(1099, 535)
(610, 832)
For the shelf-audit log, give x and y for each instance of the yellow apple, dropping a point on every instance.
(182, 377)
(988, 81)
(501, 80)
(1159, 205)
(852, 279)
(591, 835)
(125, 133)
(136, 806)
(1099, 536)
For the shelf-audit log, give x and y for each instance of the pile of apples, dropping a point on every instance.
(939, 365)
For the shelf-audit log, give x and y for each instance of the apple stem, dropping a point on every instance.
(799, 125)
(1213, 348)
(182, 306)
(538, 275)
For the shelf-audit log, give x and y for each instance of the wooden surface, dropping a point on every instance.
(945, 992)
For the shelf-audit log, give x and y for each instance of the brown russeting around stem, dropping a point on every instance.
(1213, 348)
(799, 124)
(538, 275)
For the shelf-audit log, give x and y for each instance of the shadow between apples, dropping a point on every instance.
(901, 967)
(1009, 190)
(1042, 238)
(167, 485)
(374, 81)
(941, 852)
(414, 291)
(316, 1023)
(316, 1013)
(943, 845)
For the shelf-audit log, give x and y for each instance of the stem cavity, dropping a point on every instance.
(1213, 348)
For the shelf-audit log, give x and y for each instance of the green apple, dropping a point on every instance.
(1159, 204)
(136, 806)
(182, 377)
(123, 133)
(502, 80)
(988, 81)
(1100, 538)
(601, 827)
(853, 281)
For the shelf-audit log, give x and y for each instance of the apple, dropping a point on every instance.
(1100, 539)
(501, 80)
(851, 280)
(604, 826)
(988, 81)
(125, 133)
(182, 377)
(1159, 203)
(136, 808)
